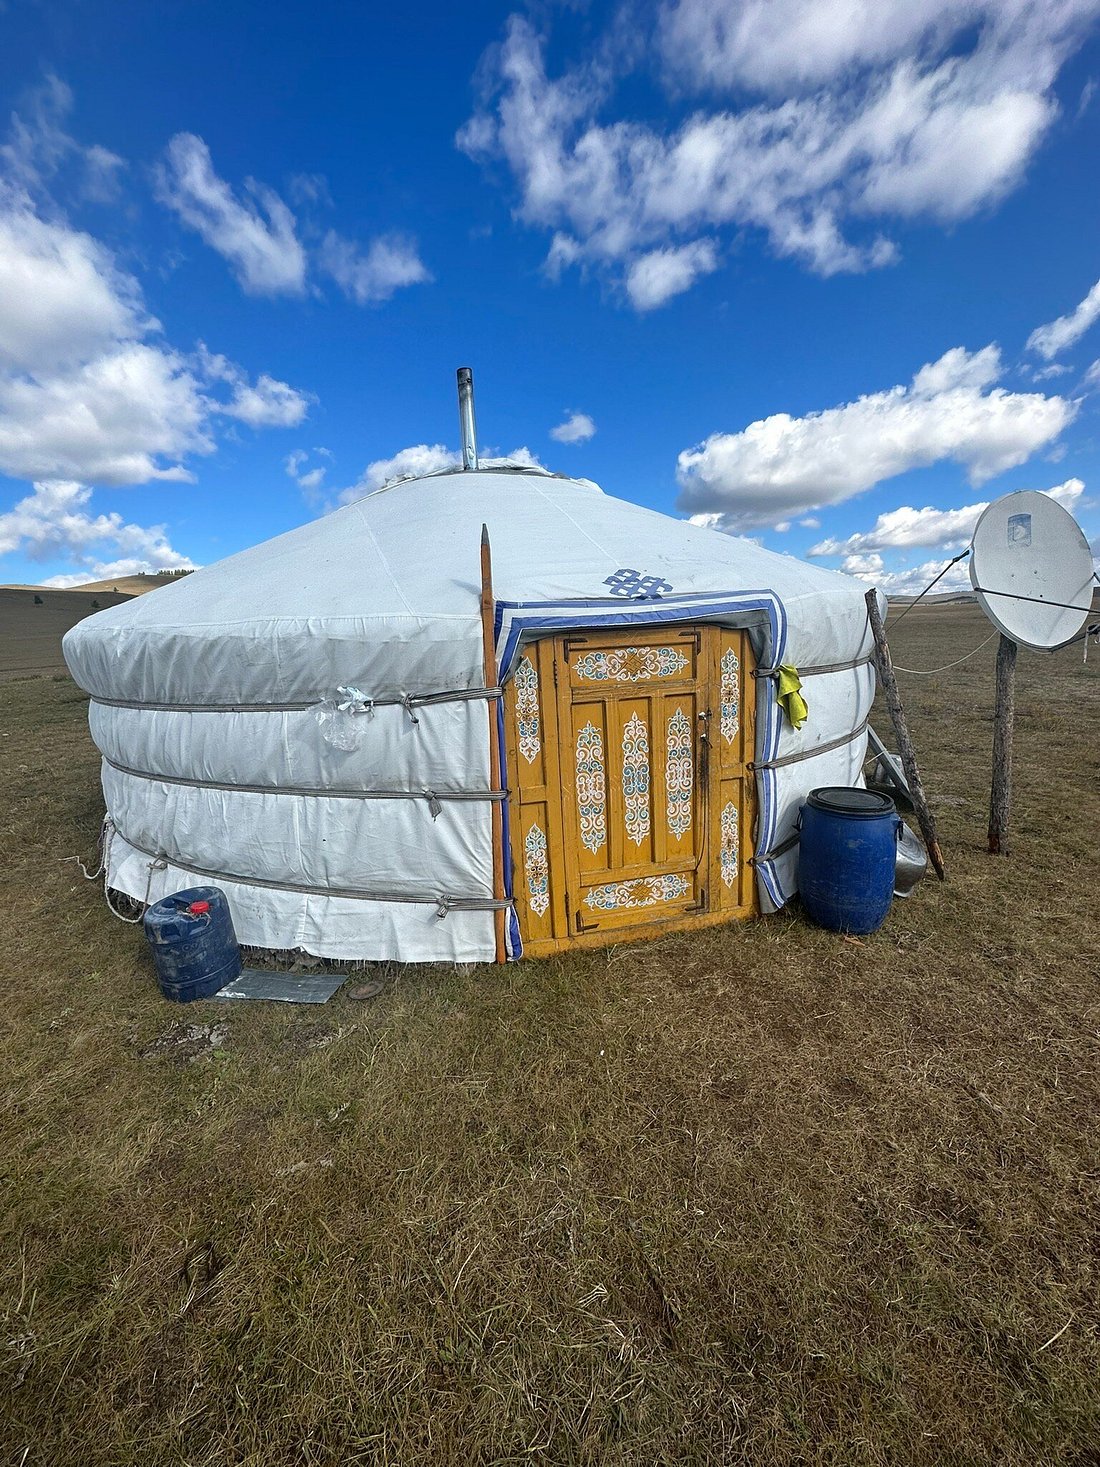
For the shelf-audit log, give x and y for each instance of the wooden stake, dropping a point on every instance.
(1004, 714)
(488, 642)
(885, 667)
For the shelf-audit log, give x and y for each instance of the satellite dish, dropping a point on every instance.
(1027, 546)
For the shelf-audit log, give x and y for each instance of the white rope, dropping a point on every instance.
(158, 865)
(101, 847)
(106, 836)
(931, 671)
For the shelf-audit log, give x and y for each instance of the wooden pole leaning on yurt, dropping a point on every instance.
(1004, 715)
(885, 667)
(489, 645)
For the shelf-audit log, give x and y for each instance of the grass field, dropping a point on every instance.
(762, 1196)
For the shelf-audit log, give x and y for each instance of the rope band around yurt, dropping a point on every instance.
(805, 672)
(776, 851)
(433, 797)
(407, 701)
(837, 743)
(443, 902)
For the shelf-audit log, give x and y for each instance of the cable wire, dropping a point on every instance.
(931, 671)
(961, 556)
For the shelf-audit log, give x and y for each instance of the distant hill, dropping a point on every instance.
(941, 598)
(33, 619)
(124, 585)
(130, 585)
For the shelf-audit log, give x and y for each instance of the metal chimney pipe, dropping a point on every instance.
(466, 422)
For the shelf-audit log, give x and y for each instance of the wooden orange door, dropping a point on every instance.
(629, 723)
(630, 803)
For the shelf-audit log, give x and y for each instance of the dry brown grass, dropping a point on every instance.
(762, 1196)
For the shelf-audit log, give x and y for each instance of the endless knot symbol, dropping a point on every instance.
(638, 587)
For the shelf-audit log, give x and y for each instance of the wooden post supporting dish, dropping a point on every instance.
(488, 640)
(1004, 713)
(885, 668)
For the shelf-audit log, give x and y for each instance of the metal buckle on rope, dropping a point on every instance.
(435, 805)
(443, 909)
(406, 703)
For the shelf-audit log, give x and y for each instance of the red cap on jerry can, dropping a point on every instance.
(197, 908)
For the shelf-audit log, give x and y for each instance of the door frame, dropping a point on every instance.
(550, 652)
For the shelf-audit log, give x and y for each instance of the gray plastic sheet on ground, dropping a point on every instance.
(283, 987)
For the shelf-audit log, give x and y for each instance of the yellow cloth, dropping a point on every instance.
(791, 700)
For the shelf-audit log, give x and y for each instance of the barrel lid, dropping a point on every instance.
(856, 804)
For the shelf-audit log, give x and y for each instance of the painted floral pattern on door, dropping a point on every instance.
(527, 710)
(536, 866)
(644, 891)
(728, 846)
(730, 720)
(591, 788)
(679, 774)
(636, 779)
(630, 664)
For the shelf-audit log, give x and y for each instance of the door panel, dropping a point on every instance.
(612, 695)
(732, 803)
(534, 814)
(630, 803)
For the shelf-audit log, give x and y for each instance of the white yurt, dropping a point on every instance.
(383, 744)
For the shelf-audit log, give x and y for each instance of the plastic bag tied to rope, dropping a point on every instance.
(355, 701)
(789, 693)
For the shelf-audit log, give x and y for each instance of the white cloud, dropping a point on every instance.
(810, 523)
(389, 263)
(38, 148)
(1054, 369)
(950, 528)
(308, 480)
(862, 565)
(268, 403)
(257, 235)
(840, 114)
(780, 46)
(422, 459)
(83, 394)
(103, 170)
(910, 580)
(577, 428)
(409, 463)
(128, 415)
(53, 523)
(1057, 335)
(88, 390)
(658, 275)
(907, 526)
(783, 466)
(61, 296)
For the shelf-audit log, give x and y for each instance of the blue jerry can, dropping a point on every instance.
(194, 946)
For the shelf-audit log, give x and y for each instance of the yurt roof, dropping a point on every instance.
(385, 590)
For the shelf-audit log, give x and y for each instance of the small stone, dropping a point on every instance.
(366, 990)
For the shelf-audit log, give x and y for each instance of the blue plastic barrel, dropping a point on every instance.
(847, 848)
(194, 946)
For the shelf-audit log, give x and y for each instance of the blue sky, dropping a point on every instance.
(815, 270)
